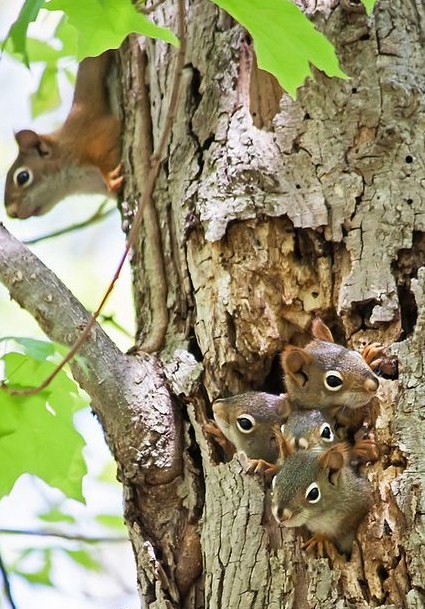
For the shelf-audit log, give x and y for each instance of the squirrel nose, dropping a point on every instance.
(12, 211)
(371, 384)
(281, 514)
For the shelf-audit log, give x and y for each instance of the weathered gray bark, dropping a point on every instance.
(269, 211)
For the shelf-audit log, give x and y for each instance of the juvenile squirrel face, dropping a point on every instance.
(328, 375)
(248, 421)
(309, 430)
(297, 490)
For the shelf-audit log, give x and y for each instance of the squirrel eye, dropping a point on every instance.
(333, 380)
(326, 432)
(23, 176)
(312, 493)
(245, 423)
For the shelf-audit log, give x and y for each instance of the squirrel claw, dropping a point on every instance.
(319, 546)
(259, 466)
(373, 352)
(114, 179)
(365, 450)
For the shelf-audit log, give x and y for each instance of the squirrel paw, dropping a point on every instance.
(211, 429)
(372, 352)
(259, 466)
(319, 546)
(365, 450)
(375, 356)
(114, 179)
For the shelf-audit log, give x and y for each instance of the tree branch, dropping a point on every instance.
(65, 536)
(128, 393)
(6, 584)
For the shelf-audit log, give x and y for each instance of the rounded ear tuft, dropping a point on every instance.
(334, 460)
(321, 331)
(31, 143)
(293, 359)
(27, 140)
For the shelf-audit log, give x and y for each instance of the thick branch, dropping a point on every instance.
(121, 387)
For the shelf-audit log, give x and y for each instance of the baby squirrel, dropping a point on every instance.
(328, 376)
(82, 156)
(319, 491)
(249, 422)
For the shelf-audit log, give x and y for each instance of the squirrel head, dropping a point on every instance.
(327, 374)
(308, 430)
(27, 173)
(44, 173)
(309, 486)
(248, 421)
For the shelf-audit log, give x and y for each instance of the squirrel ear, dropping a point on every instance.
(334, 460)
(284, 407)
(30, 142)
(321, 331)
(294, 360)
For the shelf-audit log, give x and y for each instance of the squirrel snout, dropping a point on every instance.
(281, 514)
(12, 211)
(371, 384)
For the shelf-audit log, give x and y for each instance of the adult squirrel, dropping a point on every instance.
(81, 157)
(330, 377)
(321, 492)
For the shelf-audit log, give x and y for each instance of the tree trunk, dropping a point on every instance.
(266, 212)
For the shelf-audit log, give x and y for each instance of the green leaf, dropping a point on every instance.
(104, 24)
(56, 515)
(39, 350)
(42, 576)
(40, 437)
(369, 4)
(17, 35)
(112, 521)
(285, 41)
(47, 96)
(84, 558)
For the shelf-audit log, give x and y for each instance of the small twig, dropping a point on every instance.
(149, 186)
(65, 536)
(98, 216)
(6, 584)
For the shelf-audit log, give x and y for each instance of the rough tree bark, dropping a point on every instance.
(266, 211)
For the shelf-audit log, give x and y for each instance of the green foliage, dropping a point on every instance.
(285, 41)
(369, 4)
(111, 521)
(84, 559)
(37, 433)
(43, 574)
(103, 24)
(17, 35)
(55, 514)
(46, 97)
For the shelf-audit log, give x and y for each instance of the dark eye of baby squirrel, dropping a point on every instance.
(245, 423)
(312, 493)
(326, 433)
(333, 380)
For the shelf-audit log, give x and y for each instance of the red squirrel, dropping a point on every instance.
(81, 157)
